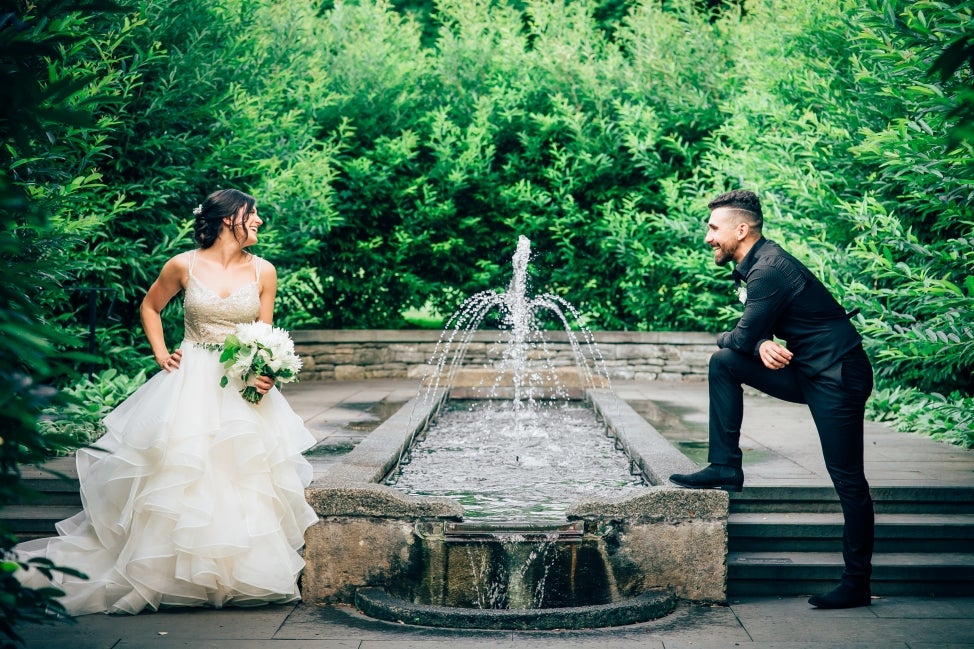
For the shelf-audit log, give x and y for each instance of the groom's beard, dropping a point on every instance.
(722, 256)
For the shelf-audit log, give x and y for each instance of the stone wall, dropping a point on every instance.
(352, 354)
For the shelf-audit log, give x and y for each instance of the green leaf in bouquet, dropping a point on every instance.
(230, 348)
(251, 394)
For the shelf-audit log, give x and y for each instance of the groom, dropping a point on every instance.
(823, 366)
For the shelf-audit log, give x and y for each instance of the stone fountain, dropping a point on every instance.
(609, 542)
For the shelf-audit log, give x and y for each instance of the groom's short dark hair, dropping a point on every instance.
(741, 199)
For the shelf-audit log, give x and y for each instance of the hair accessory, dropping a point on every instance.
(198, 210)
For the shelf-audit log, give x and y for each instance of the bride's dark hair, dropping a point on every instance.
(221, 204)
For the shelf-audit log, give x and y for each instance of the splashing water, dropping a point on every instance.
(524, 458)
(526, 358)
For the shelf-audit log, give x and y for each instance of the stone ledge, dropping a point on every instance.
(646, 448)
(337, 499)
(354, 354)
(665, 504)
(331, 336)
(651, 605)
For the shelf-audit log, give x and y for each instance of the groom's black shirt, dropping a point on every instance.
(785, 300)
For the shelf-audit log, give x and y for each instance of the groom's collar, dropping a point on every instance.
(743, 268)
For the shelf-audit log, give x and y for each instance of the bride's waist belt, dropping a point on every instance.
(210, 347)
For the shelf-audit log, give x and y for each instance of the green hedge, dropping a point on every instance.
(398, 151)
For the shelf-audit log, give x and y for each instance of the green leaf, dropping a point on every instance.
(961, 50)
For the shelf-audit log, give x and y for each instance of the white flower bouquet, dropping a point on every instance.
(255, 349)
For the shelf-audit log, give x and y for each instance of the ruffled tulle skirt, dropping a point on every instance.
(193, 497)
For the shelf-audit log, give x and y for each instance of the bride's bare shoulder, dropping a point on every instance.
(181, 259)
(178, 265)
(266, 266)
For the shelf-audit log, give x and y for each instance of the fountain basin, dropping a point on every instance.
(369, 535)
(377, 603)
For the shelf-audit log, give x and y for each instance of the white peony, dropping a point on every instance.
(257, 348)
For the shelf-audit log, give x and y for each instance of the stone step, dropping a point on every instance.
(887, 500)
(54, 483)
(31, 522)
(50, 494)
(60, 493)
(822, 532)
(807, 573)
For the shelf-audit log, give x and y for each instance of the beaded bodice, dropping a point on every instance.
(208, 317)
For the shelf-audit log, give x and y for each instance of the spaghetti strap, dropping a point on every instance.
(257, 266)
(192, 260)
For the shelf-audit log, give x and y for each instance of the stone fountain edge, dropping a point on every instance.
(367, 532)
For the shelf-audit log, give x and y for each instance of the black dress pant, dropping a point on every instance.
(836, 398)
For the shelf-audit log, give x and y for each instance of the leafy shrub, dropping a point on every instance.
(78, 422)
(397, 151)
(850, 144)
(300, 300)
(945, 417)
(40, 122)
(532, 121)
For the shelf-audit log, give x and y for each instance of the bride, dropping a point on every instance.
(194, 496)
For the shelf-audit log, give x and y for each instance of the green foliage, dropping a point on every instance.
(922, 337)
(34, 605)
(397, 151)
(300, 300)
(945, 417)
(525, 120)
(850, 144)
(959, 52)
(188, 98)
(40, 116)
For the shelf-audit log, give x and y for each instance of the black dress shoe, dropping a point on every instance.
(715, 476)
(843, 596)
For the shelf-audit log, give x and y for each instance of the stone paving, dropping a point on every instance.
(751, 623)
(781, 448)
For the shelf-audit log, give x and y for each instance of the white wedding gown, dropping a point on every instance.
(194, 497)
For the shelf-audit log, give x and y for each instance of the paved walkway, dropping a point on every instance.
(781, 448)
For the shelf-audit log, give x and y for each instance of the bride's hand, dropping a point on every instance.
(171, 361)
(264, 384)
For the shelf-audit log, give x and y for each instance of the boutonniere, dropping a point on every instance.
(742, 293)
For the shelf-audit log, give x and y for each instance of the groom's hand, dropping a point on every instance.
(773, 355)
